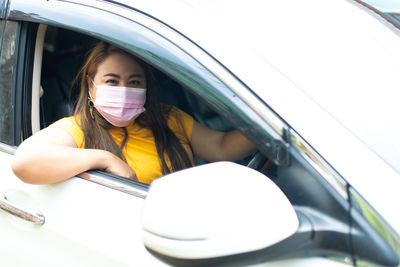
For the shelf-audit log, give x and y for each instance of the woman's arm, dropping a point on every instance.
(51, 156)
(211, 145)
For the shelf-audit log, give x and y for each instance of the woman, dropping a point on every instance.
(122, 128)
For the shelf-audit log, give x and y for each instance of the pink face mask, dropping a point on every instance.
(119, 105)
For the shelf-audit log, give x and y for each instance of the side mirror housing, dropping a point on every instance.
(215, 210)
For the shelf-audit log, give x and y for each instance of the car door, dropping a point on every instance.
(75, 223)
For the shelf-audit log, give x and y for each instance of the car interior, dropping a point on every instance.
(59, 53)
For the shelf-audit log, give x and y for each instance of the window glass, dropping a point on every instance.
(6, 74)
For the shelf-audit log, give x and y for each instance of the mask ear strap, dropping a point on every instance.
(90, 96)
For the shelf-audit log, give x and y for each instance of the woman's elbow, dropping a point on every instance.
(20, 167)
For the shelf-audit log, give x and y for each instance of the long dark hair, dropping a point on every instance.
(95, 130)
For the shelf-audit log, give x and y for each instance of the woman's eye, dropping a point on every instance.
(111, 81)
(134, 82)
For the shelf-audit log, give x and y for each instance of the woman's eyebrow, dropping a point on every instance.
(117, 76)
(135, 75)
(112, 75)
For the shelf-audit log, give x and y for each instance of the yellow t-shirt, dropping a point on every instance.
(140, 150)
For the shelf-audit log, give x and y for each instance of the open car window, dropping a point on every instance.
(64, 52)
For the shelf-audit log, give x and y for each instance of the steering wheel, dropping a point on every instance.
(257, 160)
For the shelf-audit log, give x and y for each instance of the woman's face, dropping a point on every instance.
(118, 70)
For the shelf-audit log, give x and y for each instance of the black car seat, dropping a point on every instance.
(63, 54)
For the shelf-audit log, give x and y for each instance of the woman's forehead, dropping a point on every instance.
(120, 64)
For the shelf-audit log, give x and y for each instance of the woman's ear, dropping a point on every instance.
(91, 88)
(88, 81)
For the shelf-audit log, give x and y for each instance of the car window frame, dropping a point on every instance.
(194, 73)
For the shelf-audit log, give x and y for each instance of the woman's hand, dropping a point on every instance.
(116, 166)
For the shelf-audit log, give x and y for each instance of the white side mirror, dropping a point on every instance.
(215, 210)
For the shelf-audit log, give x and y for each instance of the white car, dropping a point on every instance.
(315, 84)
